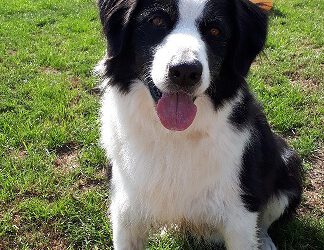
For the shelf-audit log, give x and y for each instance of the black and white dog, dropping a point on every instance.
(188, 142)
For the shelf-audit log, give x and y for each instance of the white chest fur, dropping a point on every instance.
(170, 176)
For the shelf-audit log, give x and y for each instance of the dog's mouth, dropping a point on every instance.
(176, 110)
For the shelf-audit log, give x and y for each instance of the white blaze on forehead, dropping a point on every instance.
(183, 44)
(191, 10)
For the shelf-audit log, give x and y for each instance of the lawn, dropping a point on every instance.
(53, 175)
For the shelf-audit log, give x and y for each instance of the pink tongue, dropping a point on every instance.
(176, 111)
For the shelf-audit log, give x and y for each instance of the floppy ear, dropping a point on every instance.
(252, 24)
(115, 16)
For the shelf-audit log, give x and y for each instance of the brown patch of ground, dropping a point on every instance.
(67, 147)
(307, 84)
(75, 100)
(67, 162)
(88, 184)
(20, 154)
(96, 91)
(67, 157)
(44, 237)
(85, 183)
(313, 203)
(32, 193)
(16, 220)
(17, 154)
(75, 82)
(49, 71)
(58, 244)
(55, 240)
(12, 52)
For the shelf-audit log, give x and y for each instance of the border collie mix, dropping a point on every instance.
(189, 144)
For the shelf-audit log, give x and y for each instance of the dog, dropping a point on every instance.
(188, 142)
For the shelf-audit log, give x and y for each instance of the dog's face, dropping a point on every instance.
(182, 49)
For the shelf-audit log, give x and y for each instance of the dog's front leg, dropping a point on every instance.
(241, 230)
(129, 233)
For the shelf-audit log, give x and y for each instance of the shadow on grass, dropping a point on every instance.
(277, 13)
(299, 234)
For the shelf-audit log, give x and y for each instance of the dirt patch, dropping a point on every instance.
(75, 100)
(58, 244)
(16, 220)
(67, 148)
(49, 71)
(12, 52)
(75, 82)
(45, 237)
(85, 183)
(307, 84)
(88, 184)
(21, 154)
(96, 91)
(313, 202)
(67, 157)
(67, 162)
(56, 241)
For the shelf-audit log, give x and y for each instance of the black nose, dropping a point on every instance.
(186, 74)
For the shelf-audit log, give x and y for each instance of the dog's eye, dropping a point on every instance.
(215, 32)
(158, 22)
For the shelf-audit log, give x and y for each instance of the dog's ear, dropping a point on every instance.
(115, 16)
(252, 24)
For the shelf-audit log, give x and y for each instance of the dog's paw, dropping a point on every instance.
(266, 242)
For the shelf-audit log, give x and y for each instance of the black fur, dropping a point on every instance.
(264, 172)
(130, 39)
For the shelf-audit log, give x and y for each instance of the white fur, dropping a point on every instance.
(183, 44)
(274, 209)
(168, 177)
(99, 70)
(266, 241)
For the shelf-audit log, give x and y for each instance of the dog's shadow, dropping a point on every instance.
(275, 12)
(299, 234)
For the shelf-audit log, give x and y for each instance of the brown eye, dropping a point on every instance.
(214, 32)
(158, 21)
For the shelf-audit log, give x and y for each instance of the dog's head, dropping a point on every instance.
(182, 49)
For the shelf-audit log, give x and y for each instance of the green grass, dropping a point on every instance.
(53, 189)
